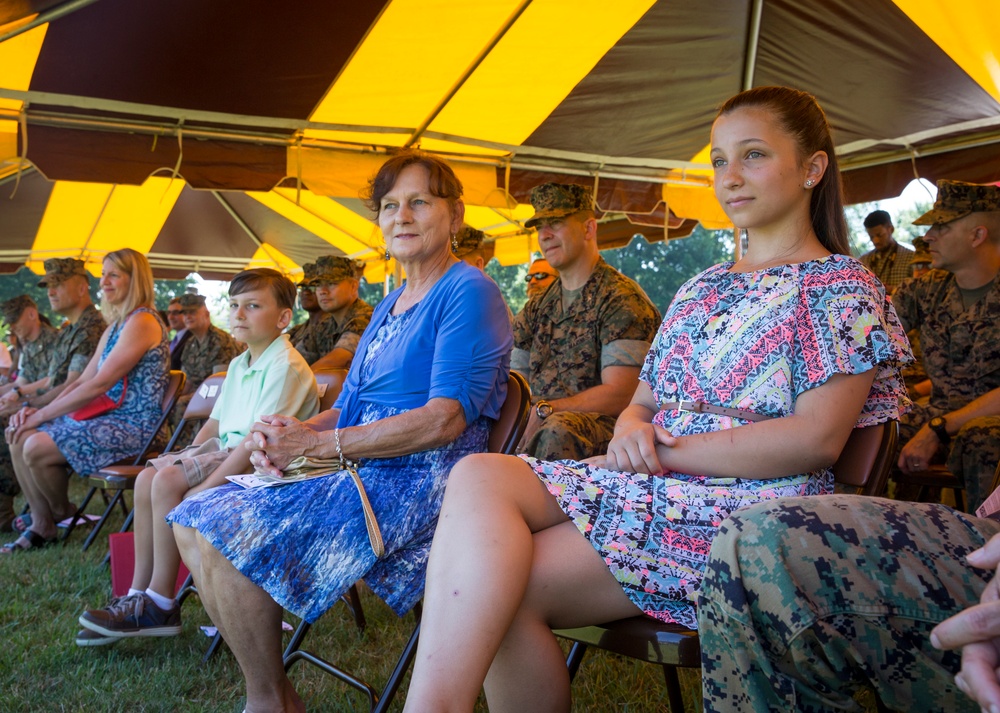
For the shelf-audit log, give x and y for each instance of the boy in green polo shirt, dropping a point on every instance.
(269, 377)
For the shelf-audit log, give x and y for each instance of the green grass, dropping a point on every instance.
(41, 669)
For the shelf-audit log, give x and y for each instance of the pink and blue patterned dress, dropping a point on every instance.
(90, 445)
(753, 341)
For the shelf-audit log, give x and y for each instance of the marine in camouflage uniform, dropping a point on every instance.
(890, 261)
(565, 338)
(302, 334)
(568, 346)
(35, 357)
(202, 357)
(961, 355)
(345, 323)
(75, 345)
(805, 600)
(77, 340)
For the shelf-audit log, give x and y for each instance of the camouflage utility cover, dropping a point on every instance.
(956, 200)
(12, 309)
(557, 200)
(58, 269)
(468, 240)
(331, 268)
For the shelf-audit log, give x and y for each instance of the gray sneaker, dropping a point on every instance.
(135, 615)
(86, 637)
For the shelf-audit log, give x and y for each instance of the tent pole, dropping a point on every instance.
(246, 228)
(753, 40)
(48, 16)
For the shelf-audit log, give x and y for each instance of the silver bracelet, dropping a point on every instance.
(336, 436)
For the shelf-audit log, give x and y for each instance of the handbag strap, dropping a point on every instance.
(374, 532)
(324, 466)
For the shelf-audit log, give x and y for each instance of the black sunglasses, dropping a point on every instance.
(536, 276)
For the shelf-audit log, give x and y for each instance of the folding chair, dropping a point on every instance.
(175, 385)
(121, 478)
(864, 465)
(329, 383)
(504, 437)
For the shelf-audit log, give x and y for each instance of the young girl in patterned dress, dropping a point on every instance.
(790, 347)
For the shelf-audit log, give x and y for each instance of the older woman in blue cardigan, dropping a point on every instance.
(428, 380)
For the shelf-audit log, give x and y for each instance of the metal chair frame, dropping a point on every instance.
(175, 386)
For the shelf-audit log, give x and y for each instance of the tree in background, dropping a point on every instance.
(25, 282)
(166, 290)
(659, 268)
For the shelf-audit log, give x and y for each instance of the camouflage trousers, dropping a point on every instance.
(571, 434)
(8, 480)
(805, 600)
(972, 456)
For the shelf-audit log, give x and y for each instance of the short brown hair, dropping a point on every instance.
(443, 181)
(257, 278)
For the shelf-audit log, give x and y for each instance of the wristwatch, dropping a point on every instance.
(543, 409)
(939, 426)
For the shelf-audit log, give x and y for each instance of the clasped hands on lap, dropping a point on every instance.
(275, 440)
(20, 423)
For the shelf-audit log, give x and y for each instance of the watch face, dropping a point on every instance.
(543, 410)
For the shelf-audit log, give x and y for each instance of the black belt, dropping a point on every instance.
(702, 407)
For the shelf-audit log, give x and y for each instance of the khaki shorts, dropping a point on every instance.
(198, 462)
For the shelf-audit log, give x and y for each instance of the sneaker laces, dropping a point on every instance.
(129, 605)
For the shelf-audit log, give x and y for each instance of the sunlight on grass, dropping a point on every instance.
(41, 669)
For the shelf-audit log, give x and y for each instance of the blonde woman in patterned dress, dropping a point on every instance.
(791, 347)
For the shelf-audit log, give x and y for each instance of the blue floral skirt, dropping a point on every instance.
(306, 543)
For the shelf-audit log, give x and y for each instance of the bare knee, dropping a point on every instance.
(40, 450)
(144, 483)
(486, 471)
(168, 483)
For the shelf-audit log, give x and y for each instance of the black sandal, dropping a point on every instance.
(34, 542)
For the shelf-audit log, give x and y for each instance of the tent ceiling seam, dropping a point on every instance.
(51, 15)
(469, 71)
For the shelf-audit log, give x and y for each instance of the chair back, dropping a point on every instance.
(866, 460)
(329, 383)
(199, 408)
(507, 431)
(175, 387)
